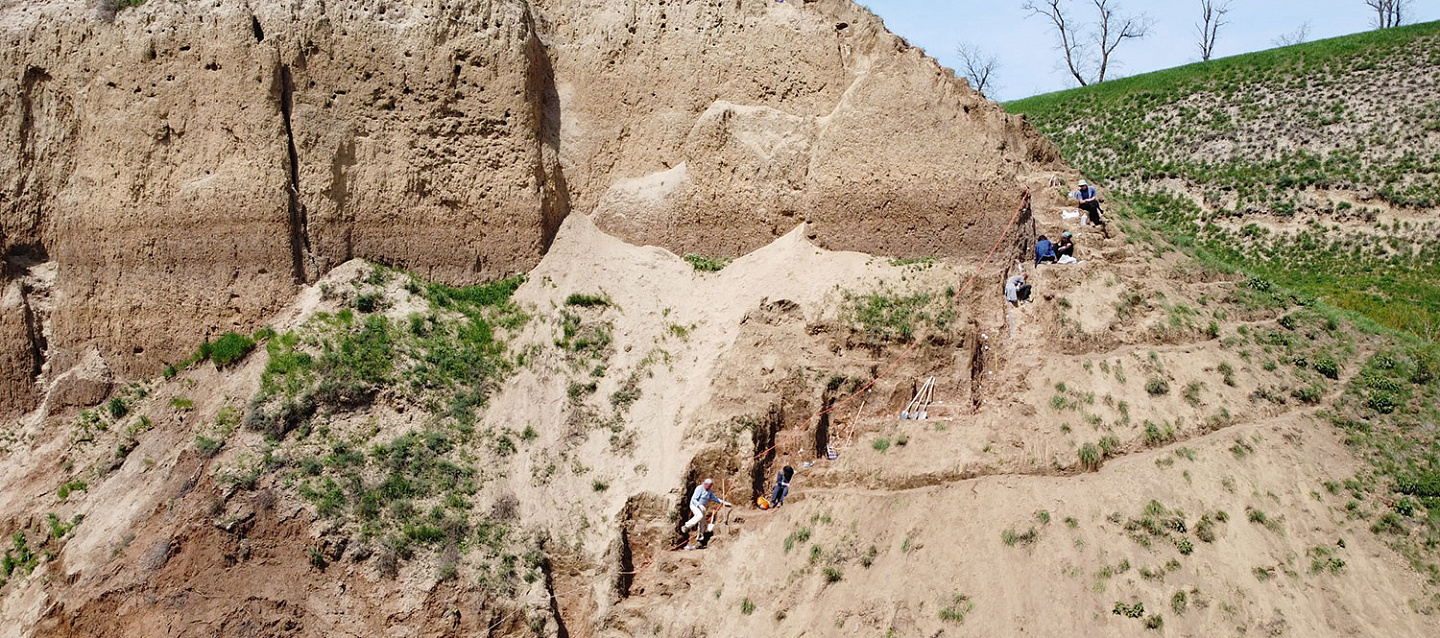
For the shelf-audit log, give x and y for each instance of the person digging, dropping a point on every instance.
(700, 499)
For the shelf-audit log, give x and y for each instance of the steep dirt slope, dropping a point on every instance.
(182, 168)
(394, 504)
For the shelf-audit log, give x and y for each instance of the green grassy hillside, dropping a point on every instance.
(1316, 166)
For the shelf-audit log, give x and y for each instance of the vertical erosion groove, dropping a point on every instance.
(550, 176)
(548, 569)
(763, 438)
(299, 234)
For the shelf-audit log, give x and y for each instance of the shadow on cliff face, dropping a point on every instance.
(554, 192)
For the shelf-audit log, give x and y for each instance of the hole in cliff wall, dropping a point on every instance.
(822, 430)
(644, 524)
(977, 364)
(762, 435)
(256, 29)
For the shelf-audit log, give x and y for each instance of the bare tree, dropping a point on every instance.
(1388, 13)
(1088, 53)
(1300, 34)
(1212, 15)
(980, 68)
(1069, 42)
(1115, 28)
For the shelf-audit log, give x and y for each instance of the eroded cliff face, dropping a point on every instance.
(717, 126)
(181, 167)
(186, 166)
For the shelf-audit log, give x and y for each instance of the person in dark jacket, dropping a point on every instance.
(1089, 199)
(1045, 251)
(782, 486)
(1066, 245)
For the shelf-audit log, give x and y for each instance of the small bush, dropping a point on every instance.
(1388, 524)
(959, 606)
(1157, 387)
(72, 486)
(1310, 394)
(586, 301)
(832, 574)
(1133, 610)
(1192, 393)
(230, 348)
(117, 408)
(1157, 434)
(747, 607)
(1011, 538)
(1155, 622)
(1090, 456)
(1109, 445)
(706, 264)
(208, 447)
(369, 302)
(1179, 603)
(881, 444)
(1327, 367)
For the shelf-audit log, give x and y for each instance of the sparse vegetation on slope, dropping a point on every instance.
(1301, 165)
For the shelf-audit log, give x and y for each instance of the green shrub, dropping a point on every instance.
(1011, 538)
(881, 444)
(1309, 394)
(706, 264)
(1109, 444)
(1133, 610)
(1157, 387)
(1090, 456)
(747, 607)
(586, 301)
(72, 486)
(832, 574)
(230, 348)
(117, 408)
(369, 302)
(1157, 435)
(208, 447)
(1327, 366)
(1179, 603)
(956, 610)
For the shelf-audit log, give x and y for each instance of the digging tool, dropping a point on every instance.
(912, 409)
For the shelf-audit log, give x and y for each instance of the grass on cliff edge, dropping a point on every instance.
(1183, 80)
(1266, 107)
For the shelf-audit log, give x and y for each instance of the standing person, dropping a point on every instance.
(1066, 247)
(701, 498)
(782, 486)
(1090, 203)
(1016, 290)
(1045, 251)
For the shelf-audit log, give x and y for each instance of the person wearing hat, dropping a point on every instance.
(1090, 202)
(701, 498)
(1066, 246)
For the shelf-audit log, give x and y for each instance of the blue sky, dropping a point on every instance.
(1028, 59)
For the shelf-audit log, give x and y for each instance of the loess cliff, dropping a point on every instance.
(174, 171)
